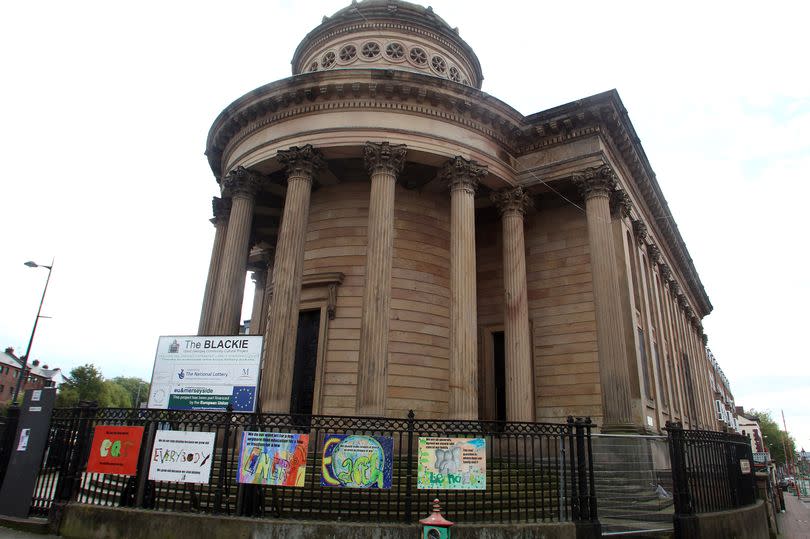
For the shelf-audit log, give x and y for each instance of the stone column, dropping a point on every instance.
(462, 177)
(243, 186)
(596, 185)
(384, 163)
(222, 208)
(520, 405)
(261, 275)
(282, 317)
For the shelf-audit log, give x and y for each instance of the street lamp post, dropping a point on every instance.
(33, 331)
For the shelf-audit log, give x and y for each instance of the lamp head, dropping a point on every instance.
(32, 264)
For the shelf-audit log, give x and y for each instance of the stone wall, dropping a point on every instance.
(92, 522)
(336, 241)
(419, 328)
(561, 311)
(419, 334)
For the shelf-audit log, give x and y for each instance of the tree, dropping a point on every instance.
(114, 395)
(138, 389)
(85, 384)
(773, 435)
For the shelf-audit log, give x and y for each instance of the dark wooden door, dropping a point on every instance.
(499, 357)
(306, 361)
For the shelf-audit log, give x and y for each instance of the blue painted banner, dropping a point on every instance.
(357, 461)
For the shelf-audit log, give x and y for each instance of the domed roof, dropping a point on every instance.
(388, 34)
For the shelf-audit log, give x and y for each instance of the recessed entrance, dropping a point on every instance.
(306, 361)
(499, 378)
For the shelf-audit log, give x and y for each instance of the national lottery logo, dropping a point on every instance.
(181, 374)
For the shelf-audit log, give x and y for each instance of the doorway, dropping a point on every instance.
(499, 374)
(306, 362)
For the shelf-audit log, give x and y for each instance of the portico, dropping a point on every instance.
(418, 244)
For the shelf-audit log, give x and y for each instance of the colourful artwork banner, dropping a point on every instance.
(452, 464)
(273, 458)
(115, 450)
(182, 456)
(357, 461)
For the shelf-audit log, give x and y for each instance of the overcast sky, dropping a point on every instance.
(106, 107)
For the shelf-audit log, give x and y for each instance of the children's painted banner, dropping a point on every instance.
(356, 461)
(182, 456)
(452, 464)
(273, 458)
(115, 450)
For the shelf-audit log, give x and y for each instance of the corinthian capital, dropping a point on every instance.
(221, 208)
(384, 157)
(620, 204)
(459, 173)
(640, 231)
(595, 181)
(512, 200)
(301, 161)
(242, 182)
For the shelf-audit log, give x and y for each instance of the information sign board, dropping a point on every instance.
(206, 373)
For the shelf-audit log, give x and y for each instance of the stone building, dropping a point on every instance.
(431, 248)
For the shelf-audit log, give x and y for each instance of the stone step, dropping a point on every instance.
(639, 516)
(612, 527)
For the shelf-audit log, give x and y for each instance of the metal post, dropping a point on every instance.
(142, 497)
(680, 479)
(409, 470)
(33, 331)
(223, 462)
(591, 480)
(582, 478)
(575, 513)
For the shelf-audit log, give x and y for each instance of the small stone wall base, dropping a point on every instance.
(93, 522)
(749, 522)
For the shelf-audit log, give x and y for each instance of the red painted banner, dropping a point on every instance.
(115, 450)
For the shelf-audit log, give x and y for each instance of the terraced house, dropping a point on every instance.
(419, 244)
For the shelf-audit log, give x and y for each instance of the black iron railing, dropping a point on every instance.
(711, 471)
(535, 472)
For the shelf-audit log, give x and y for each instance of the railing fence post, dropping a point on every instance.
(142, 496)
(684, 520)
(594, 516)
(223, 460)
(574, 497)
(409, 470)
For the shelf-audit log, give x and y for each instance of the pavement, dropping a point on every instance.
(8, 533)
(794, 523)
